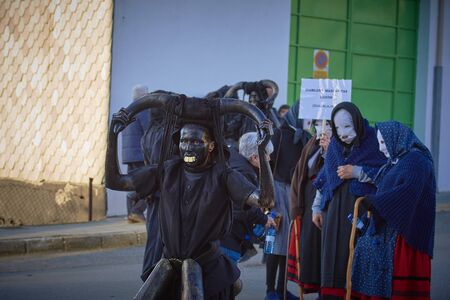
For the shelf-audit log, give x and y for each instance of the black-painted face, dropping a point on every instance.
(195, 146)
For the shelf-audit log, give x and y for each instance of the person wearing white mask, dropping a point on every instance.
(393, 258)
(301, 197)
(352, 160)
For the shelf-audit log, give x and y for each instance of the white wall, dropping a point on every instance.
(426, 56)
(444, 150)
(426, 60)
(194, 47)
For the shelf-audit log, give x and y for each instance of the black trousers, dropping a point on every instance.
(275, 263)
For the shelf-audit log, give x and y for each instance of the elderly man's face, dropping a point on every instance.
(196, 145)
(253, 98)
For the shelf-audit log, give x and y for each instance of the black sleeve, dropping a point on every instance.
(145, 180)
(239, 188)
(256, 216)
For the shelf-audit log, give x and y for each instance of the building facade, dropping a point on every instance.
(67, 65)
(388, 48)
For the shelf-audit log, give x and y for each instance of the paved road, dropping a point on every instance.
(114, 274)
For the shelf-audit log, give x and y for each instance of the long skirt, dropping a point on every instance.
(411, 275)
(335, 239)
(310, 243)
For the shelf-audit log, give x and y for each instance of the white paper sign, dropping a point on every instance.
(318, 97)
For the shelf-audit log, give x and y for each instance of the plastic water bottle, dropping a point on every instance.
(270, 240)
(359, 223)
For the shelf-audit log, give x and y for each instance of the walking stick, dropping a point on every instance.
(352, 248)
(297, 258)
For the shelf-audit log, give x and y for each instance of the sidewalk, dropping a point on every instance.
(114, 232)
(110, 233)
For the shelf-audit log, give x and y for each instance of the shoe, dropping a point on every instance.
(135, 218)
(237, 287)
(249, 253)
(272, 296)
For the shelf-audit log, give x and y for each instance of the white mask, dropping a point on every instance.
(382, 144)
(318, 127)
(344, 126)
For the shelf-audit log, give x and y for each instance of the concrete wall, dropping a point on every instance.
(54, 102)
(424, 114)
(194, 47)
(444, 140)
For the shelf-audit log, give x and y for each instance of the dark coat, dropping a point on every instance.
(300, 178)
(131, 138)
(287, 150)
(243, 219)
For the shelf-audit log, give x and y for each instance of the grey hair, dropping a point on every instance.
(138, 91)
(248, 145)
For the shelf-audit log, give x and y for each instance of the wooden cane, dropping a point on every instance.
(352, 248)
(297, 258)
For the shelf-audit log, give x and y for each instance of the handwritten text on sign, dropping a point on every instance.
(318, 97)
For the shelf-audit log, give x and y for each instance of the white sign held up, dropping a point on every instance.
(318, 97)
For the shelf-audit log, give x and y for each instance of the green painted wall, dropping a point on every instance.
(371, 42)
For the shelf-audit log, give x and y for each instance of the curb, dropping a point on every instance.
(11, 247)
(443, 207)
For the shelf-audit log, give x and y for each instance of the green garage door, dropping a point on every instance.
(371, 42)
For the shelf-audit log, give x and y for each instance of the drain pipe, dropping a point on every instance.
(90, 198)
(437, 90)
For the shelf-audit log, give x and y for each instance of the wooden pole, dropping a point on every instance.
(352, 249)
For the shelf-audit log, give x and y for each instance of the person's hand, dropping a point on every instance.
(120, 120)
(367, 204)
(318, 220)
(345, 172)
(324, 141)
(270, 222)
(266, 127)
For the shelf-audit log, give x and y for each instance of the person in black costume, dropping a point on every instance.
(151, 145)
(261, 94)
(198, 191)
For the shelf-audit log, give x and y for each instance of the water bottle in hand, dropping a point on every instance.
(270, 240)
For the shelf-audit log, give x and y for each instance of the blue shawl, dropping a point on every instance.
(365, 154)
(406, 195)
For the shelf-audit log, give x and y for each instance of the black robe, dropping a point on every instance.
(195, 212)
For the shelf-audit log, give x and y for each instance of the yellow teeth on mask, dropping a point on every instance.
(189, 159)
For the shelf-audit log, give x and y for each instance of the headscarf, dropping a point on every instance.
(400, 139)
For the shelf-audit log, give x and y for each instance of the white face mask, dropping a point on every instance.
(344, 126)
(382, 144)
(318, 127)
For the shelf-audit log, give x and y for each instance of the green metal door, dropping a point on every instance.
(371, 42)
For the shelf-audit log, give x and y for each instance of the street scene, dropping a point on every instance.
(112, 274)
(258, 149)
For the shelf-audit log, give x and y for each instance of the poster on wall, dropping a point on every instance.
(318, 97)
